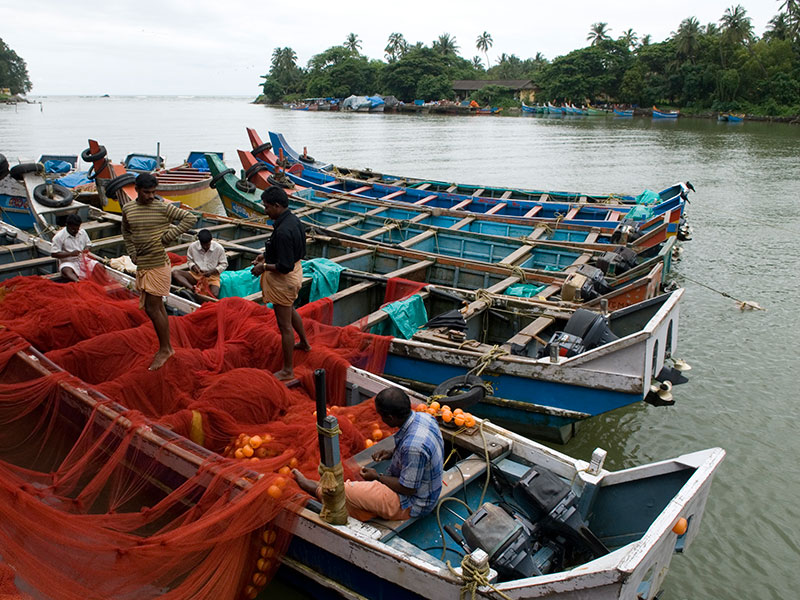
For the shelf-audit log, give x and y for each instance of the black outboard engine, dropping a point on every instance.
(626, 232)
(587, 283)
(596, 276)
(541, 492)
(584, 330)
(619, 261)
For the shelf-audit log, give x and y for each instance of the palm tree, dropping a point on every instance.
(645, 41)
(445, 44)
(598, 33)
(477, 62)
(687, 39)
(483, 43)
(736, 25)
(630, 38)
(779, 28)
(792, 8)
(712, 29)
(396, 47)
(352, 43)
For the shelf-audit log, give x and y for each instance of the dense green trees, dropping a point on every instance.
(722, 66)
(13, 71)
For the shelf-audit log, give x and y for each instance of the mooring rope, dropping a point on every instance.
(743, 304)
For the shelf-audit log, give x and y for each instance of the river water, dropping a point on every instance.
(743, 389)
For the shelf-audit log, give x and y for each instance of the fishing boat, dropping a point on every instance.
(731, 118)
(602, 533)
(565, 206)
(661, 114)
(595, 112)
(503, 337)
(555, 110)
(492, 110)
(187, 183)
(622, 112)
(529, 109)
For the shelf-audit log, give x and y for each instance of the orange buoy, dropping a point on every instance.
(284, 470)
(293, 462)
(250, 592)
(268, 537)
(368, 442)
(459, 419)
(274, 491)
(255, 441)
(281, 482)
(263, 564)
(268, 551)
(377, 434)
(247, 451)
(434, 405)
(681, 526)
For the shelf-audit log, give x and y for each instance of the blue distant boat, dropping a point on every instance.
(660, 114)
(623, 112)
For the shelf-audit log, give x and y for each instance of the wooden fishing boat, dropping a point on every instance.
(555, 110)
(661, 114)
(595, 112)
(504, 336)
(622, 112)
(731, 118)
(184, 183)
(492, 110)
(623, 529)
(529, 109)
(487, 198)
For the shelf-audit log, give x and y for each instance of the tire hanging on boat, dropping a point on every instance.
(286, 183)
(306, 158)
(245, 186)
(17, 171)
(216, 178)
(87, 155)
(62, 196)
(254, 169)
(265, 147)
(461, 391)
(116, 184)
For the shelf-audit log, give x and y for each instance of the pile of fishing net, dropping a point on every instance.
(85, 511)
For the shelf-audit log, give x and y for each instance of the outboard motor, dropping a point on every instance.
(626, 232)
(584, 330)
(619, 261)
(596, 276)
(587, 283)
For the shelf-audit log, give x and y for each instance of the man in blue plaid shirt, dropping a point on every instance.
(413, 482)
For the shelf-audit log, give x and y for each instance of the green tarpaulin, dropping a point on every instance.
(324, 275)
(524, 290)
(648, 197)
(405, 318)
(640, 213)
(238, 284)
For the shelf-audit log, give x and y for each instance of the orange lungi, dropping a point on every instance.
(154, 281)
(367, 500)
(282, 289)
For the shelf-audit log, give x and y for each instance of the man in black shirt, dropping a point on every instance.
(282, 274)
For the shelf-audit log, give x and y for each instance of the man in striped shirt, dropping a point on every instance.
(147, 228)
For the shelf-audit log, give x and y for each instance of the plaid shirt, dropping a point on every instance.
(418, 462)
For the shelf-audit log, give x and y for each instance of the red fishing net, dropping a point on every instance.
(93, 506)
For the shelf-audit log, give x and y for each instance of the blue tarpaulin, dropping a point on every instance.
(57, 166)
(74, 179)
(142, 163)
(201, 164)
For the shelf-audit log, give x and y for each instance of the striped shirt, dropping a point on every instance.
(418, 462)
(147, 229)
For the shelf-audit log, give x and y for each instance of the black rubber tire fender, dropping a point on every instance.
(285, 184)
(306, 158)
(62, 196)
(462, 391)
(265, 147)
(254, 169)
(116, 184)
(17, 171)
(3, 166)
(245, 186)
(91, 174)
(87, 156)
(216, 178)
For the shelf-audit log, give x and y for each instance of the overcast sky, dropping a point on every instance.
(213, 47)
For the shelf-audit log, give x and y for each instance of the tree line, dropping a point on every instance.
(13, 71)
(719, 66)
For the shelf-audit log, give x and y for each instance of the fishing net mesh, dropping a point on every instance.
(101, 501)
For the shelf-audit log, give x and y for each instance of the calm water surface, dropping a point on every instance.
(743, 390)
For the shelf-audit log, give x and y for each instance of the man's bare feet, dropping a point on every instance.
(303, 347)
(284, 375)
(305, 484)
(161, 357)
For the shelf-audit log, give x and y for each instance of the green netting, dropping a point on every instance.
(324, 275)
(405, 318)
(648, 197)
(524, 290)
(640, 213)
(238, 284)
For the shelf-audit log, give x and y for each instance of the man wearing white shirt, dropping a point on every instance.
(206, 261)
(70, 246)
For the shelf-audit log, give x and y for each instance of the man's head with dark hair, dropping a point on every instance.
(275, 195)
(393, 406)
(73, 223)
(204, 235)
(146, 184)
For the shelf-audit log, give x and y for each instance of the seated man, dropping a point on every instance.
(206, 261)
(70, 246)
(413, 482)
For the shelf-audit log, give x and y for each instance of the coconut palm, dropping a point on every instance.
(779, 28)
(630, 38)
(396, 47)
(352, 43)
(645, 41)
(483, 43)
(598, 33)
(792, 8)
(446, 44)
(736, 25)
(687, 38)
(712, 29)
(477, 62)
